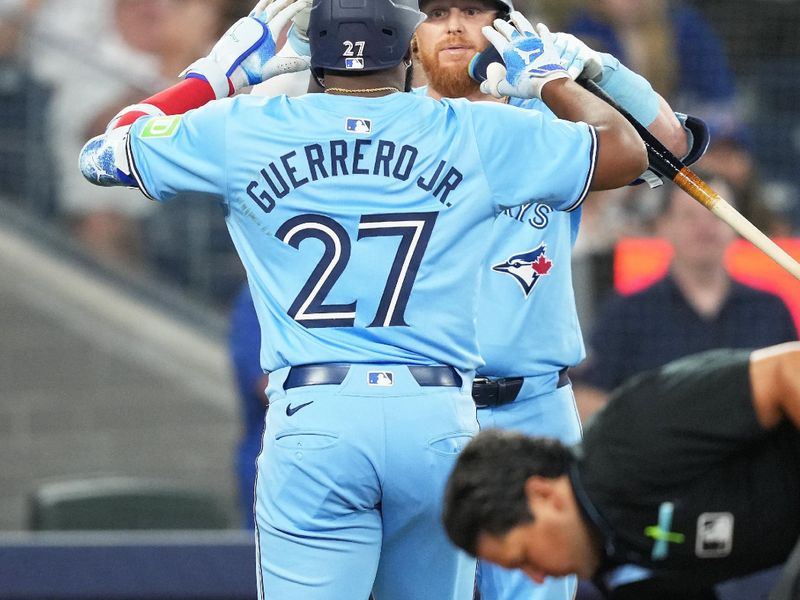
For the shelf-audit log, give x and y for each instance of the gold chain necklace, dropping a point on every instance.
(337, 90)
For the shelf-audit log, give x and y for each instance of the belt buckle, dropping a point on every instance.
(489, 393)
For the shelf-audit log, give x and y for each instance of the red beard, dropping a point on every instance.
(452, 81)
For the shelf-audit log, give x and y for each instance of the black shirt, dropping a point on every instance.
(686, 436)
(656, 325)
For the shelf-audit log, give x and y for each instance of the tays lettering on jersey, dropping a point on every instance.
(338, 158)
(309, 308)
(535, 214)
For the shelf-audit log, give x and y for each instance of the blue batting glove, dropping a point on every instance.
(531, 60)
(245, 55)
(632, 91)
(297, 37)
(577, 58)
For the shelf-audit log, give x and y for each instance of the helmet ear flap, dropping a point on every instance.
(505, 7)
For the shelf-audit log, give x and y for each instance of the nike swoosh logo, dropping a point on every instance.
(291, 410)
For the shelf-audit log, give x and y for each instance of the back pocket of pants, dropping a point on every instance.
(450, 444)
(306, 440)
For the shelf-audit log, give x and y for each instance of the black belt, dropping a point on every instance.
(496, 392)
(334, 374)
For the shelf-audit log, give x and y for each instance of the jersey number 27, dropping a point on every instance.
(309, 308)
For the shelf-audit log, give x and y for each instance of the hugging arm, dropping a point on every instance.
(244, 56)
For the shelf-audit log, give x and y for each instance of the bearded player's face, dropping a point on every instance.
(448, 39)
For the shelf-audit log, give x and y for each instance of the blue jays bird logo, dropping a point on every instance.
(526, 267)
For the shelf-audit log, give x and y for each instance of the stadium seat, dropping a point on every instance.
(123, 503)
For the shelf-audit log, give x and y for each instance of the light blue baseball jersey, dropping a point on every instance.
(362, 222)
(528, 326)
(527, 318)
(527, 301)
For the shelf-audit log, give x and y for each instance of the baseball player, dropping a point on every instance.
(691, 471)
(361, 216)
(528, 327)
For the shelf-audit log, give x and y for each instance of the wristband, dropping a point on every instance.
(210, 71)
(631, 91)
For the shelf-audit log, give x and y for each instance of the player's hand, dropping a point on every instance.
(577, 58)
(298, 34)
(245, 55)
(531, 59)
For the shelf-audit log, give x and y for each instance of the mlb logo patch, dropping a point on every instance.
(353, 63)
(714, 535)
(380, 378)
(357, 125)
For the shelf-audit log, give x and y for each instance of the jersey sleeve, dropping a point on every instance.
(673, 424)
(532, 157)
(180, 153)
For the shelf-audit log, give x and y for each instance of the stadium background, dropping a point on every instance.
(114, 362)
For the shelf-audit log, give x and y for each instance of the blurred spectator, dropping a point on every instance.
(607, 217)
(673, 47)
(632, 210)
(186, 241)
(756, 32)
(670, 44)
(245, 347)
(26, 162)
(695, 307)
(190, 28)
(730, 155)
(68, 39)
(555, 13)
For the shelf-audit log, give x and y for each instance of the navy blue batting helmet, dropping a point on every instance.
(504, 6)
(361, 35)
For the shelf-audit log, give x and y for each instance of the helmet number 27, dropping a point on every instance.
(353, 48)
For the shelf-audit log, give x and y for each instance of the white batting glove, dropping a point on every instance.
(245, 55)
(577, 58)
(298, 34)
(531, 59)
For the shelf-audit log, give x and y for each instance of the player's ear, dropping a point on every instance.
(414, 45)
(537, 486)
(538, 490)
(547, 495)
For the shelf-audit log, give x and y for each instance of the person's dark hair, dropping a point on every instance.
(486, 490)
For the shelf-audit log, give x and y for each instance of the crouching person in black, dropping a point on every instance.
(691, 472)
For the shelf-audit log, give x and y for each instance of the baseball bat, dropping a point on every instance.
(670, 166)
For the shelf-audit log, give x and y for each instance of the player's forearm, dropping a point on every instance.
(103, 160)
(775, 381)
(190, 93)
(244, 56)
(621, 154)
(629, 89)
(789, 377)
(635, 94)
(669, 130)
